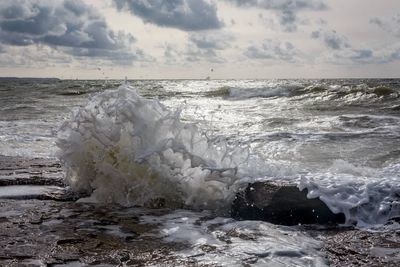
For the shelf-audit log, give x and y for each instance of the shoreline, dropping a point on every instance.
(52, 229)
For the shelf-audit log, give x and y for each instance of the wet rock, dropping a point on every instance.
(36, 220)
(123, 256)
(283, 204)
(71, 240)
(30, 180)
(3, 220)
(351, 247)
(53, 230)
(64, 194)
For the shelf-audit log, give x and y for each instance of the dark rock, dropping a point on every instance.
(283, 204)
(36, 220)
(31, 180)
(123, 256)
(71, 240)
(351, 247)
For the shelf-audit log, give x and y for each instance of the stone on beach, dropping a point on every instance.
(281, 203)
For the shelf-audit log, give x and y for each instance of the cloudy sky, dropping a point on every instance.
(199, 38)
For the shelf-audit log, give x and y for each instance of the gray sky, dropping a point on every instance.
(188, 38)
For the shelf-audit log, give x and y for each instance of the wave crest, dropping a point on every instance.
(130, 150)
(343, 94)
(123, 148)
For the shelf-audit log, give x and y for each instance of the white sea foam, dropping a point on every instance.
(130, 150)
(370, 201)
(258, 92)
(226, 242)
(20, 191)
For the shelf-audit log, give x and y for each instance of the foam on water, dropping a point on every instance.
(20, 191)
(131, 150)
(258, 92)
(340, 94)
(226, 242)
(126, 149)
(367, 197)
(245, 91)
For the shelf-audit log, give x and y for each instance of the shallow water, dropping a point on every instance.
(226, 242)
(19, 191)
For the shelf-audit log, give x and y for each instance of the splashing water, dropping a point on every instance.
(123, 148)
(126, 149)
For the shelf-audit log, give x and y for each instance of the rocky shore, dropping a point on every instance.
(42, 225)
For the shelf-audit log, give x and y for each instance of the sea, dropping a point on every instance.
(195, 143)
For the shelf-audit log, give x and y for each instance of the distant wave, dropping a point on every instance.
(243, 93)
(316, 91)
(73, 93)
(222, 91)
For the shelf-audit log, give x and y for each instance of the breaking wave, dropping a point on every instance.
(316, 92)
(370, 201)
(126, 149)
(243, 93)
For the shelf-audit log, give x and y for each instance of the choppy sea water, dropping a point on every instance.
(197, 142)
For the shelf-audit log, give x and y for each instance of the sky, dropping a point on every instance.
(193, 39)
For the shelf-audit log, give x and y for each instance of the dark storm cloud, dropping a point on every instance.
(187, 15)
(67, 25)
(391, 24)
(273, 49)
(331, 39)
(286, 9)
(282, 4)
